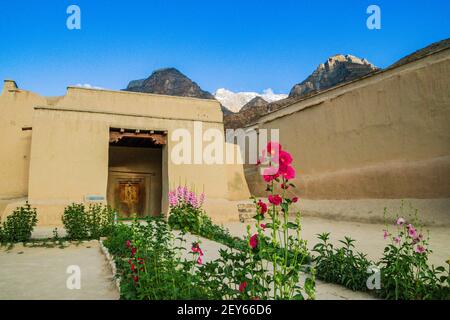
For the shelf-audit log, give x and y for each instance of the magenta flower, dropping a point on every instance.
(254, 241)
(397, 239)
(263, 226)
(287, 172)
(196, 249)
(400, 221)
(275, 200)
(285, 158)
(261, 207)
(386, 234)
(242, 286)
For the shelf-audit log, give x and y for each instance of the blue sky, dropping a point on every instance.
(242, 45)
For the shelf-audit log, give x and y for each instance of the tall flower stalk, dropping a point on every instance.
(284, 252)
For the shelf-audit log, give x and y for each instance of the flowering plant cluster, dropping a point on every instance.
(150, 264)
(405, 271)
(404, 268)
(182, 197)
(276, 253)
(186, 211)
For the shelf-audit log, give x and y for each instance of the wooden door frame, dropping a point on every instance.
(121, 174)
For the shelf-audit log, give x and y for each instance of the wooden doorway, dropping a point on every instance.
(135, 173)
(130, 193)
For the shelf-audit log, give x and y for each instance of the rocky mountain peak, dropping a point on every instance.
(336, 70)
(255, 102)
(169, 81)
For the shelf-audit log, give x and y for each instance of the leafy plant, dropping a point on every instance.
(150, 263)
(75, 222)
(19, 226)
(341, 265)
(87, 223)
(186, 211)
(405, 271)
(186, 214)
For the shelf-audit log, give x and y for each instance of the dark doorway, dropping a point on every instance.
(135, 172)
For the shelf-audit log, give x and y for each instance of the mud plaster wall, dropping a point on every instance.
(384, 137)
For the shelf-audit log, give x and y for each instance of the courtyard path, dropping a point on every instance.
(39, 273)
(368, 236)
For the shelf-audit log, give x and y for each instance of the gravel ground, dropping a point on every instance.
(39, 273)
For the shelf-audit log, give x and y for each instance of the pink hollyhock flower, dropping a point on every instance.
(287, 172)
(412, 232)
(263, 226)
(397, 239)
(276, 199)
(273, 149)
(242, 286)
(386, 234)
(199, 260)
(284, 158)
(196, 249)
(400, 221)
(270, 173)
(254, 241)
(128, 243)
(294, 199)
(419, 249)
(262, 207)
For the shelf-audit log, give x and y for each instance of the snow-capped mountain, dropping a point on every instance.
(234, 101)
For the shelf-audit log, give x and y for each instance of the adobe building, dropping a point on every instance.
(105, 146)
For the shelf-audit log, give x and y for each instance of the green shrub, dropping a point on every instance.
(341, 265)
(83, 223)
(149, 263)
(75, 222)
(19, 225)
(117, 239)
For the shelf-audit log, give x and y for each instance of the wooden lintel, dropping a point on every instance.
(157, 138)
